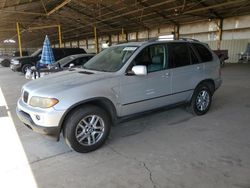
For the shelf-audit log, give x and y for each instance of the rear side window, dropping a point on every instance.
(179, 54)
(58, 54)
(203, 52)
(194, 58)
(72, 51)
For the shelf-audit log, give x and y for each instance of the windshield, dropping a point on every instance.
(36, 52)
(111, 59)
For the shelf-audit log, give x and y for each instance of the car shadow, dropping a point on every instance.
(162, 118)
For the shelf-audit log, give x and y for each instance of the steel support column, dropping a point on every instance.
(177, 32)
(60, 36)
(19, 39)
(123, 34)
(219, 33)
(96, 40)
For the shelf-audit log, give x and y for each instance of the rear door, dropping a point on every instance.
(187, 70)
(211, 69)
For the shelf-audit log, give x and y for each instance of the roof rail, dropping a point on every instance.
(185, 39)
(162, 38)
(189, 39)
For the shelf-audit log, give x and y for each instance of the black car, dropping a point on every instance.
(17, 53)
(5, 60)
(21, 64)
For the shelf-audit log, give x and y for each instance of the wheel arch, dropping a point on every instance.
(101, 102)
(208, 82)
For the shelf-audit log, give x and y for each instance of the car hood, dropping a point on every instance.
(65, 80)
(23, 58)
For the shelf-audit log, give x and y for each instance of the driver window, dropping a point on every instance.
(154, 57)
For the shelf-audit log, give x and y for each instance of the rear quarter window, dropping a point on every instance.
(72, 51)
(203, 52)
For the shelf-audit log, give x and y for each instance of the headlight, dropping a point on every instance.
(43, 102)
(15, 62)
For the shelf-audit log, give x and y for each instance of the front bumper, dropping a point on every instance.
(15, 67)
(26, 119)
(45, 121)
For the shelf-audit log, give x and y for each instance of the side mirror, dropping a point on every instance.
(140, 70)
(71, 65)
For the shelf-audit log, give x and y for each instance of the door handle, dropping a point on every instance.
(167, 74)
(198, 68)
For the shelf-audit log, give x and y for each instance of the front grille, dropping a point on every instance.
(25, 96)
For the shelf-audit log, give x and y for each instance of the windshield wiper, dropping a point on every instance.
(101, 70)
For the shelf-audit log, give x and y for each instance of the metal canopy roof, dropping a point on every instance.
(77, 17)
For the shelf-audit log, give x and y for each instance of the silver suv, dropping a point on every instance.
(121, 81)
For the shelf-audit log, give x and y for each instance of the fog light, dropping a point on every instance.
(38, 117)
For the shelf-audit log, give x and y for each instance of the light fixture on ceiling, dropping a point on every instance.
(9, 41)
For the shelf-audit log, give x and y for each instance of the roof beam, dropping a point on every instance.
(212, 11)
(240, 8)
(18, 2)
(23, 12)
(4, 3)
(127, 19)
(90, 17)
(124, 14)
(58, 7)
(44, 7)
(214, 6)
(144, 4)
(19, 5)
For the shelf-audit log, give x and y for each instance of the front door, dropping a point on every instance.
(141, 93)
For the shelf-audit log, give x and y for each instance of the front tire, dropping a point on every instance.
(25, 68)
(5, 63)
(201, 100)
(86, 128)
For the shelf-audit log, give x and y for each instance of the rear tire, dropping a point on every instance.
(201, 100)
(86, 128)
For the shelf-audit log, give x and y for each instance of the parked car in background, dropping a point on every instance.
(5, 60)
(244, 57)
(119, 82)
(3, 57)
(17, 53)
(21, 64)
(73, 60)
(222, 55)
(63, 64)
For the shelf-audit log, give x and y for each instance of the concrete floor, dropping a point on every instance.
(166, 149)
